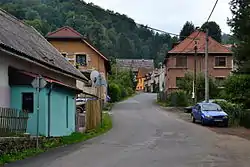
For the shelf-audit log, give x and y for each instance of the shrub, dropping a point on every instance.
(130, 91)
(114, 92)
(237, 89)
(234, 111)
(177, 99)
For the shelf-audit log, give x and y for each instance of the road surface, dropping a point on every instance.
(143, 135)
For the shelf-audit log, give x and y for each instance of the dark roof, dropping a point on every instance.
(188, 44)
(135, 64)
(67, 32)
(23, 40)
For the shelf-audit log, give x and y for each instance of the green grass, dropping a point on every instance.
(60, 141)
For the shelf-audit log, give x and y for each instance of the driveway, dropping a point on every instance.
(144, 135)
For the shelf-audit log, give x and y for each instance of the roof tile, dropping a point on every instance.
(187, 45)
(25, 39)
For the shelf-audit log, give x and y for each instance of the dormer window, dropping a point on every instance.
(81, 59)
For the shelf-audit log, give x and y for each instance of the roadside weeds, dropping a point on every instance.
(59, 142)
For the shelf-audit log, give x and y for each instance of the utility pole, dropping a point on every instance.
(206, 70)
(195, 69)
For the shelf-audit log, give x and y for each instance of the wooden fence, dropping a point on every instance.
(93, 114)
(12, 121)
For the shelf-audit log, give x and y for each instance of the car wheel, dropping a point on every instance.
(226, 125)
(193, 119)
(202, 122)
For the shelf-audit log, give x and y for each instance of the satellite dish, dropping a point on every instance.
(94, 74)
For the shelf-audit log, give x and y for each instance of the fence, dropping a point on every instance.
(93, 114)
(12, 121)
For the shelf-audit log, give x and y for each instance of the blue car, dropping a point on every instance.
(209, 113)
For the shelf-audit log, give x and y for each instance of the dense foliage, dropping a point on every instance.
(187, 29)
(237, 89)
(115, 35)
(177, 99)
(186, 84)
(240, 24)
(213, 30)
(121, 84)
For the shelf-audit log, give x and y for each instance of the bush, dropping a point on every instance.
(177, 99)
(114, 92)
(130, 91)
(237, 89)
(235, 112)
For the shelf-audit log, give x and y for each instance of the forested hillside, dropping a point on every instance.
(115, 35)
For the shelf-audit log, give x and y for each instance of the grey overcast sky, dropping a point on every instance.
(170, 15)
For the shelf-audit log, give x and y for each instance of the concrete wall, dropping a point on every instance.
(4, 85)
(16, 102)
(172, 71)
(62, 114)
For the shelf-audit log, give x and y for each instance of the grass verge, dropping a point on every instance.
(57, 142)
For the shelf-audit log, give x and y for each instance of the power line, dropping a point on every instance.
(131, 21)
(216, 2)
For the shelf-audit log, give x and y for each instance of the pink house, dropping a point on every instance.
(180, 60)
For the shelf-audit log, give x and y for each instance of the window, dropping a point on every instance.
(220, 81)
(179, 81)
(81, 59)
(181, 61)
(220, 61)
(28, 102)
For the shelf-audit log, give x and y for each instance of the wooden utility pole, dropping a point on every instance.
(206, 70)
(195, 71)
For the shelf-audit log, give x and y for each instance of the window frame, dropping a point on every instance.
(178, 64)
(32, 105)
(81, 54)
(215, 62)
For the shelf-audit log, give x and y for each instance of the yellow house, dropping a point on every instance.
(80, 53)
(141, 75)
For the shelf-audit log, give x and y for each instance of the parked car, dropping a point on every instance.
(213, 100)
(209, 113)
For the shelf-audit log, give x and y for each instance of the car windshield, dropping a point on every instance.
(211, 107)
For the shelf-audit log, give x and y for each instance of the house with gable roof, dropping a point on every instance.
(81, 54)
(24, 55)
(181, 60)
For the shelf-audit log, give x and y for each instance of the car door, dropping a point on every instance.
(195, 111)
(198, 113)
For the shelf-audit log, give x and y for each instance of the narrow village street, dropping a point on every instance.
(144, 135)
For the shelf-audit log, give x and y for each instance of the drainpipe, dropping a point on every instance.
(49, 107)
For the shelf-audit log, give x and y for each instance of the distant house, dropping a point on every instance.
(141, 75)
(80, 53)
(135, 64)
(180, 60)
(155, 81)
(24, 55)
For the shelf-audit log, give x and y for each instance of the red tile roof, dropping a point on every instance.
(187, 45)
(64, 32)
(68, 32)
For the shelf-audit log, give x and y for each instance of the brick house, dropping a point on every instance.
(180, 60)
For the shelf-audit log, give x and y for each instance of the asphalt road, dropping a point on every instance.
(144, 135)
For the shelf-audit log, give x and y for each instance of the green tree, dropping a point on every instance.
(187, 29)
(240, 24)
(214, 30)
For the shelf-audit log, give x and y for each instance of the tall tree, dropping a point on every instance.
(240, 24)
(187, 29)
(214, 30)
